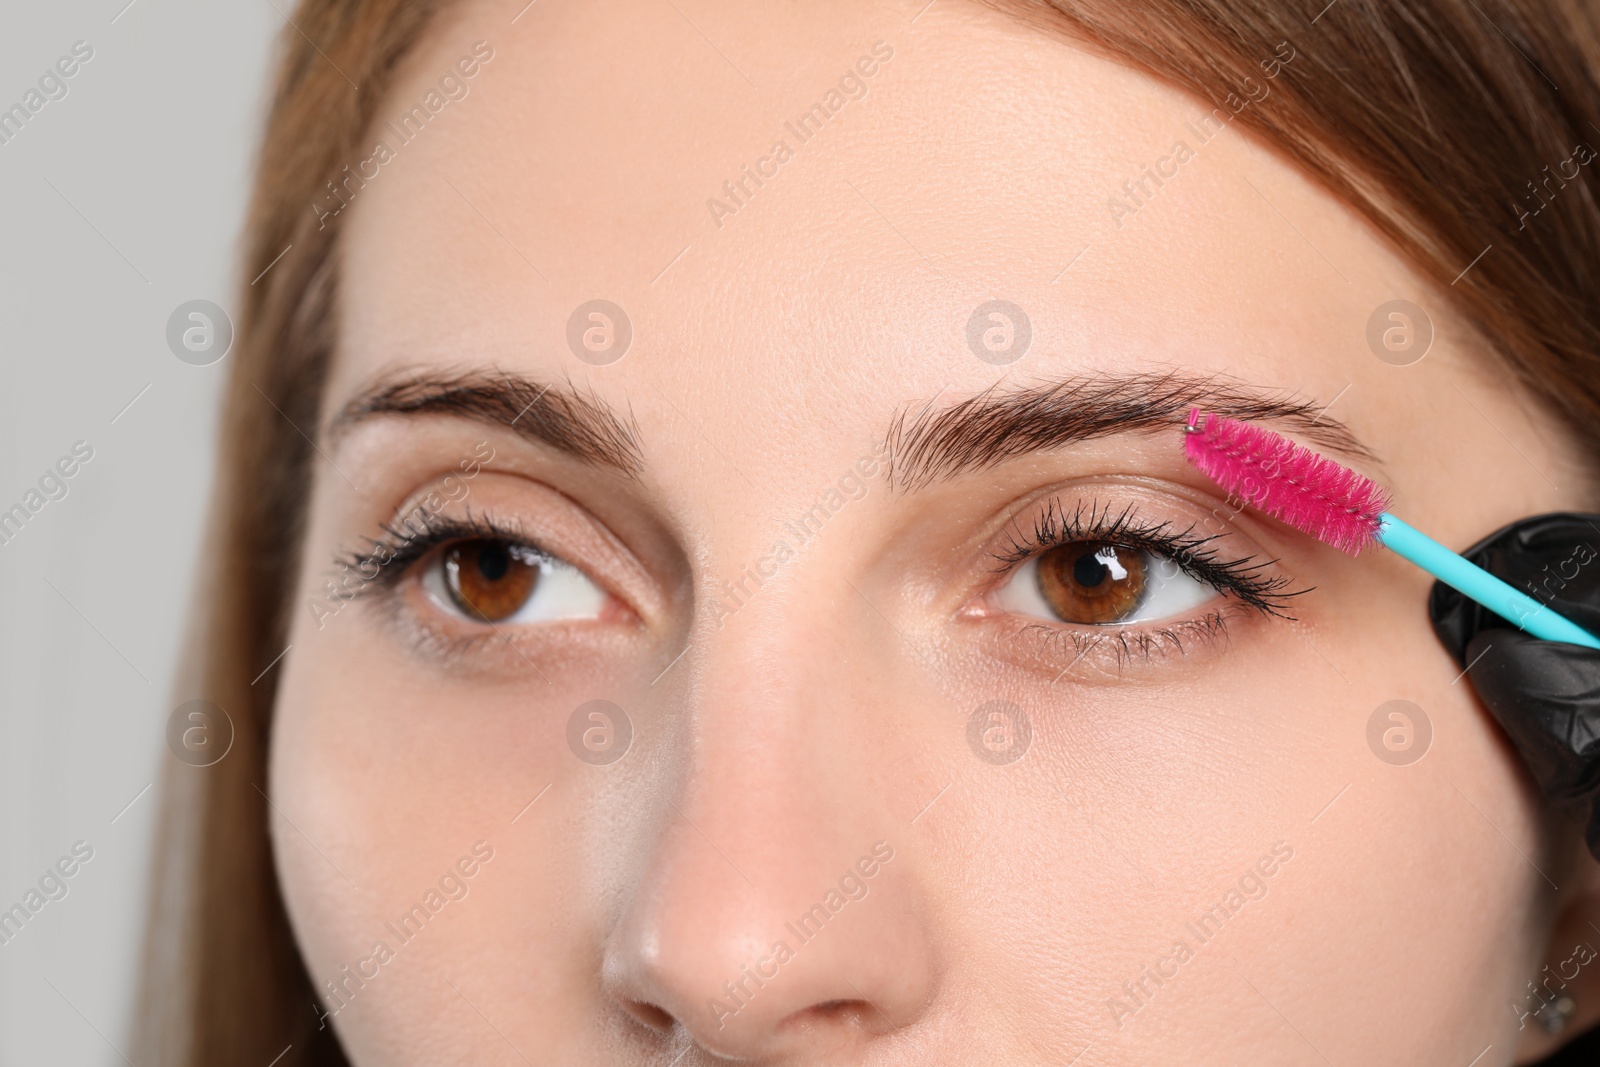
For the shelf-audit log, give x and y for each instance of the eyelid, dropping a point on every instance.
(1252, 586)
(1120, 644)
(1246, 578)
(513, 506)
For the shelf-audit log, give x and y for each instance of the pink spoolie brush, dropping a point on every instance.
(1290, 482)
(1339, 507)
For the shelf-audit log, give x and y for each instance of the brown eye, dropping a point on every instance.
(1092, 582)
(490, 580)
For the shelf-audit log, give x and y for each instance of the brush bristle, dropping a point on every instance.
(1288, 481)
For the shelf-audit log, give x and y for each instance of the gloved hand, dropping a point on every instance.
(1544, 694)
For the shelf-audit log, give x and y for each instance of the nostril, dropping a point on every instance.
(835, 1011)
(656, 1018)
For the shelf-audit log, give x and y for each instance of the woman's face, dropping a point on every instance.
(820, 650)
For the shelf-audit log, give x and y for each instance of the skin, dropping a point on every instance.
(774, 745)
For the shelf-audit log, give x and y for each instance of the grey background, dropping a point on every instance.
(149, 155)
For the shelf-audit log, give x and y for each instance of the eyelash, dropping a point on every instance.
(394, 554)
(390, 559)
(1242, 578)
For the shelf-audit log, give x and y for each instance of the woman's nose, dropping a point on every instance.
(778, 910)
(755, 975)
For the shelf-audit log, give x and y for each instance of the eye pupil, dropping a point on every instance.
(494, 559)
(1089, 571)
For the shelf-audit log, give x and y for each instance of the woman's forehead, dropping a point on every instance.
(822, 210)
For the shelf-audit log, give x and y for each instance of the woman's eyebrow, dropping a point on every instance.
(928, 444)
(556, 416)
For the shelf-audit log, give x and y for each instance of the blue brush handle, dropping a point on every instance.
(1473, 581)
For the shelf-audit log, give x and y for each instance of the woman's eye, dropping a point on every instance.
(1092, 583)
(491, 580)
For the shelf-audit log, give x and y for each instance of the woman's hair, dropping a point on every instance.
(1451, 127)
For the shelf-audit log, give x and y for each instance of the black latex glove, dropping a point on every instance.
(1544, 694)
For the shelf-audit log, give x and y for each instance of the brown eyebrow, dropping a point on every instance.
(929, 444)
(556, 416)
